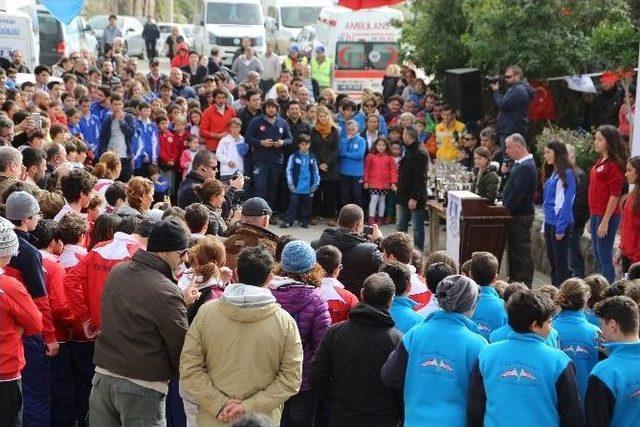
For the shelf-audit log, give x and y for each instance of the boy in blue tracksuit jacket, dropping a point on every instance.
(146, 140)
(521, 381)
(490, 313)
(558, 221)
(89, 125)
(433, 362)
(578, 337)
(613, 391)
(351, 154)
(401, 309)
(303, 178)
(347, 112)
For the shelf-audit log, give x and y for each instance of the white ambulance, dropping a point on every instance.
(361, 44)
(19, 30)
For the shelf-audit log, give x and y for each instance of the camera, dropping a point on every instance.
(493, 79)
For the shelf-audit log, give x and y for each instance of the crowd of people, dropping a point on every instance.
(143, 282)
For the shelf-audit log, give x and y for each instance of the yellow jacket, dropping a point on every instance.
(250, 353)
(447, 138)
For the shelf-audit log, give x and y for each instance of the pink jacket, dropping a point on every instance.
(380, 171)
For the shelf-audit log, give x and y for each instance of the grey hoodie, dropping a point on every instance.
(242, 295)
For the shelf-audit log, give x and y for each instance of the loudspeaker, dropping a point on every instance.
(463, 91)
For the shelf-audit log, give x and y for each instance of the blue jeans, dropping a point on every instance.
(266, 177)
(603, 247)
(417, 222)
(62, 394)
(299, 208)
(36, 389)
(82, 370)
(350, 190)
(576, 258)
(558, 253)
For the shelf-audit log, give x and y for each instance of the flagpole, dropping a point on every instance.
(635, 137)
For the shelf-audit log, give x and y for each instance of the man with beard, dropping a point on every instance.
(178, 87)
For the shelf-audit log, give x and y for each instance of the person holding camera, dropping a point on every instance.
(513, 104)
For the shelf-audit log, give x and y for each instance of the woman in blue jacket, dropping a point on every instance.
(578, 337)
(351, 152)
(559, 192)
(434, 360)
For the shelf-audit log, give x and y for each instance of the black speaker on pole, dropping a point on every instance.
(463, 91)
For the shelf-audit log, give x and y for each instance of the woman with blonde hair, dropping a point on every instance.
(106, 170)
(325, 143)
(139, 197)
(390, 82)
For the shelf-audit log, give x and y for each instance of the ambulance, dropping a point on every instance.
(361, 44)
(19, 30)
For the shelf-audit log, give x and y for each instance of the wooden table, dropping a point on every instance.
(437, 210)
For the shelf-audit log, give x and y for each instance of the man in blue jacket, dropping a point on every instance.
(268, 134)
(518, 197)
(116, 134)
(521, 381)
(513, 105)
(613, 391)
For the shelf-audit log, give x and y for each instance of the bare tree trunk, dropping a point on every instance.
(138, 8)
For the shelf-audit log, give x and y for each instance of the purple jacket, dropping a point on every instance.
(311, 314)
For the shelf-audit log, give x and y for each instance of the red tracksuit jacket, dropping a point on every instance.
(18, 316)
(168, 147)
(61, 313)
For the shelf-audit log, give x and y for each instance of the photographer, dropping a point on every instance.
(513, 104)
(222, 203)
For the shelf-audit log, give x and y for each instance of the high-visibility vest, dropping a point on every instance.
(288, 62)
(321, 72)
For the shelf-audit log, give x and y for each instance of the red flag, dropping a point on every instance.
(541, 106)
(366, 4)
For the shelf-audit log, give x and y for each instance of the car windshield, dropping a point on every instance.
(298, 17)
(165, 28)
(234, 14)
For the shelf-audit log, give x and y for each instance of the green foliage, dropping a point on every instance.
(431, 38)
(582, 141)
(615, 44)
(539, 35)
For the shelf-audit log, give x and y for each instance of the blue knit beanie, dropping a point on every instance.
(298, 257)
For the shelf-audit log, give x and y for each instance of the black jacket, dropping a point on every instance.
(580, 206)
(301, 126)
(412, 176)
(326, 151)
(360, 257)
(346, 369)
(245, 115)
(390, 87)
(606, 106)
(186, 193)
(150, 31)
(128, 128)
(197, 77)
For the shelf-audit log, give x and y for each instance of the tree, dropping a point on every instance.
(539, 35)
(431, 38)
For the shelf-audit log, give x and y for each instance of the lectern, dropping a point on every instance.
(473, 225)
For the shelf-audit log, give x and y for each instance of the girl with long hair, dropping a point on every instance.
(559, 193)
(380, 177)
(606, 182)
(486, 180)
(630, 227)
(107, 170)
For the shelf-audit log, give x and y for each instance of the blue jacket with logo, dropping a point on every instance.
(351, 152)
(433, 364)
(303, 175)
(146, 143)
(361, 118)
(523, 382)
(613, 393)
(503, 332)
(260, 129)
(402, 313)
(89, 127)
(579, 340)
(490, 313)
(558, 201)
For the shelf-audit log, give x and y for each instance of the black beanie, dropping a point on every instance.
(167, 236)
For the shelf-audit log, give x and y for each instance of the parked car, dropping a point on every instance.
(58, 39)
(131, 33)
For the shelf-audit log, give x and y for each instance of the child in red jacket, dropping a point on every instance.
(380, 177)
(181, 136)
(18, 316)
(168, 151)
(339, 299)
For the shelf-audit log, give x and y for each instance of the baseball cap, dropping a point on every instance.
(256, 206)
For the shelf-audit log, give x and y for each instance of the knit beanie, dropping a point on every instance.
(298, 257)
(167, 236)
(458, 294)
(8, 239)
(21, 204)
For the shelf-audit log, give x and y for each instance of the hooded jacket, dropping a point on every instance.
(242, 346)
(144, 320)
(360, 257)
(311, 313)
(436, 355)
(514, 109)
(346, 369)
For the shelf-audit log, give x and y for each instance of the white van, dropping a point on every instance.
(285, 18)
(16, 33)
(223, 24)
(361, 44)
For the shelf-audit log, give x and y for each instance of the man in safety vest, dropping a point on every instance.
(321, 68)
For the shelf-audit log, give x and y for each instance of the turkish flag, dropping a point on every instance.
(366, 4)
(541, 106)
